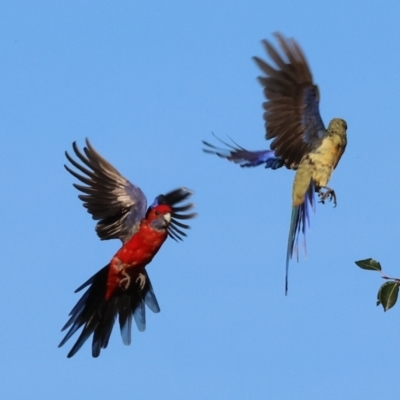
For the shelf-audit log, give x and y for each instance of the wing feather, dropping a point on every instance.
(110, 198)
(292, 117)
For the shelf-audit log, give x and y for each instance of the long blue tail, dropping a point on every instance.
(299, 221)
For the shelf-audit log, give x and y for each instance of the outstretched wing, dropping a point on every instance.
(292, 115)
(173, 199)
(245, 158)
(109, 197)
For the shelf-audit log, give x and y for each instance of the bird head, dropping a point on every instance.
(165, 211)
(159, 216)
(337, 126)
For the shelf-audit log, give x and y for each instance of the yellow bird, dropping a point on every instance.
(300, 140)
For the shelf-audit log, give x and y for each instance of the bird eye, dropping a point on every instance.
(157, 212)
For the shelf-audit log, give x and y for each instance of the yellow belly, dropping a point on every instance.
(324, 160)
(316, 166)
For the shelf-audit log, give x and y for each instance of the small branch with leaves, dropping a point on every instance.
(389, 291)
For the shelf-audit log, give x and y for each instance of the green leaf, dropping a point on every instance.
(387, 295)
(370, 264)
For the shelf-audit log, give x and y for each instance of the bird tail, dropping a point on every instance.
(243, 157)
(97, 315)
(299, 221)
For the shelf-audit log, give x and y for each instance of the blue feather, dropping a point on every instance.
(245, 158)
(140, 316)
(314, 129)
(151, 300)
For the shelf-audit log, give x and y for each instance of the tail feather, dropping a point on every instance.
(101, 330)
(125, 322)
(85, 334)
(151, 300)
(140, 317)
(299, 221)
(97, 315)
(245, 158)
(87, 283)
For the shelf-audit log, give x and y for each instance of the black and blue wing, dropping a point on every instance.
(115, 202)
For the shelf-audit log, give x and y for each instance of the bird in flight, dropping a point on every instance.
(300, 140)
(122, 288)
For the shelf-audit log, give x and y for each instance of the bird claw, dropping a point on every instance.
(141, 280)
(125, 281)
(329, 194)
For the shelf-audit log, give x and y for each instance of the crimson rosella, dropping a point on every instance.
(300, 140)
(123, 286)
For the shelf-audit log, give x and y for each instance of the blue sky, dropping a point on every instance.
(146, 82)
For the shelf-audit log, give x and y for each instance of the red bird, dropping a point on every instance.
(123, 286)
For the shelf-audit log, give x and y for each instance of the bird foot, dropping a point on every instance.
(329, 194)
(125, 281)
(141, 280)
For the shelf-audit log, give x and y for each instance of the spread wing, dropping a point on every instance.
(292, 117)
(112, 200)
(173, 199)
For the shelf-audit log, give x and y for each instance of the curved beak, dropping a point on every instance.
(167, 218)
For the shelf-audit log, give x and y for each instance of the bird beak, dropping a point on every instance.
(167, 218)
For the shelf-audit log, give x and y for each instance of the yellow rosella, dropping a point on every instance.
(300, 140)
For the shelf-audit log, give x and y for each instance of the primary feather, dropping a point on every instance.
(108, 196)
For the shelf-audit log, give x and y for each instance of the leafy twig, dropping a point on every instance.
(389, 291)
